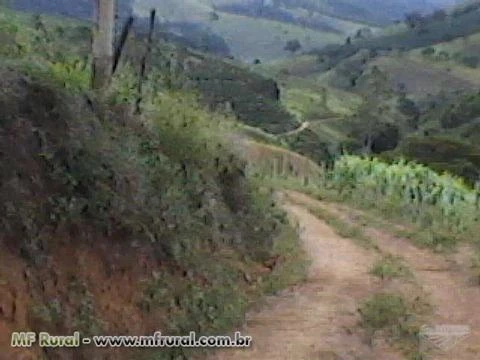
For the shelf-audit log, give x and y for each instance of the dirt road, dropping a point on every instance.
(318, 320)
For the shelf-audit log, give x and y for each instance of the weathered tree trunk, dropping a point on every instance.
(103, 43)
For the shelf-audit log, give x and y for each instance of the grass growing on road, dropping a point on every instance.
(392, 316)
(390, 266)
(382, 311)
(343, 228)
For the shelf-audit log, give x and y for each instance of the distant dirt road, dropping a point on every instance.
(305, 125)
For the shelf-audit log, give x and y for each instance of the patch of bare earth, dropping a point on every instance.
(318, 319)
(113, 277)
(446, 279)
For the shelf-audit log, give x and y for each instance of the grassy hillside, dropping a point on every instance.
(421, 79)
(370, 11)
(459, 56)
(115, 223)
(265, 39)
(424, 31)
(247, 37)
(416, 85)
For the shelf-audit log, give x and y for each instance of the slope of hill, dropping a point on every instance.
(420, 32)
(238, 31)
(108, 217)
(251, 37)
(252, 98)
(377, 12)
(271, 23)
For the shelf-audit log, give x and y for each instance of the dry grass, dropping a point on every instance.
(274, 161)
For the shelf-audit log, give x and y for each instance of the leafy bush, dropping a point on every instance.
(443, 56)
(465, 110)
(390, 267)
(428, 51)
(383, 311)
(471, 61)
(293, 45)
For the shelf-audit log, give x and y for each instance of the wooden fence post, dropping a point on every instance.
(102, 46)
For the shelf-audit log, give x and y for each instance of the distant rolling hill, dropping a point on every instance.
(260, 28)
(415, 87)
(251, 35)
(198, 23)
(253, 29)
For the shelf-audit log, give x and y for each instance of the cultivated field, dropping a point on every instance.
(419, 78)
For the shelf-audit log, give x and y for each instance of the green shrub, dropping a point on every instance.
(471, 61)
(382, 311)
(428, 51)
(390, 267)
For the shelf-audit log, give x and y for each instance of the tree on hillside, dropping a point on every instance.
(429, 51)
(471, 61)
(293, 45)
(376, 133)
(214, 16)
(364, 33)
(439, 15)
(414, 19)
(102, 46)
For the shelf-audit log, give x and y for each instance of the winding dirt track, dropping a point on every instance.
(305, 125)
(318, 320)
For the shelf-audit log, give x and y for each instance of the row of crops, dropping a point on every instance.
(410, 186)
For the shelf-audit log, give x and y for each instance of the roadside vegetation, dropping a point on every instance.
(344, 228)
(156, 204)
(413, 192)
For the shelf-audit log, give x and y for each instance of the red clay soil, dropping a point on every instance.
(112, 276)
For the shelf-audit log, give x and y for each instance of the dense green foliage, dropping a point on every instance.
(443, 153)
(463, 111)
(412, 186)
